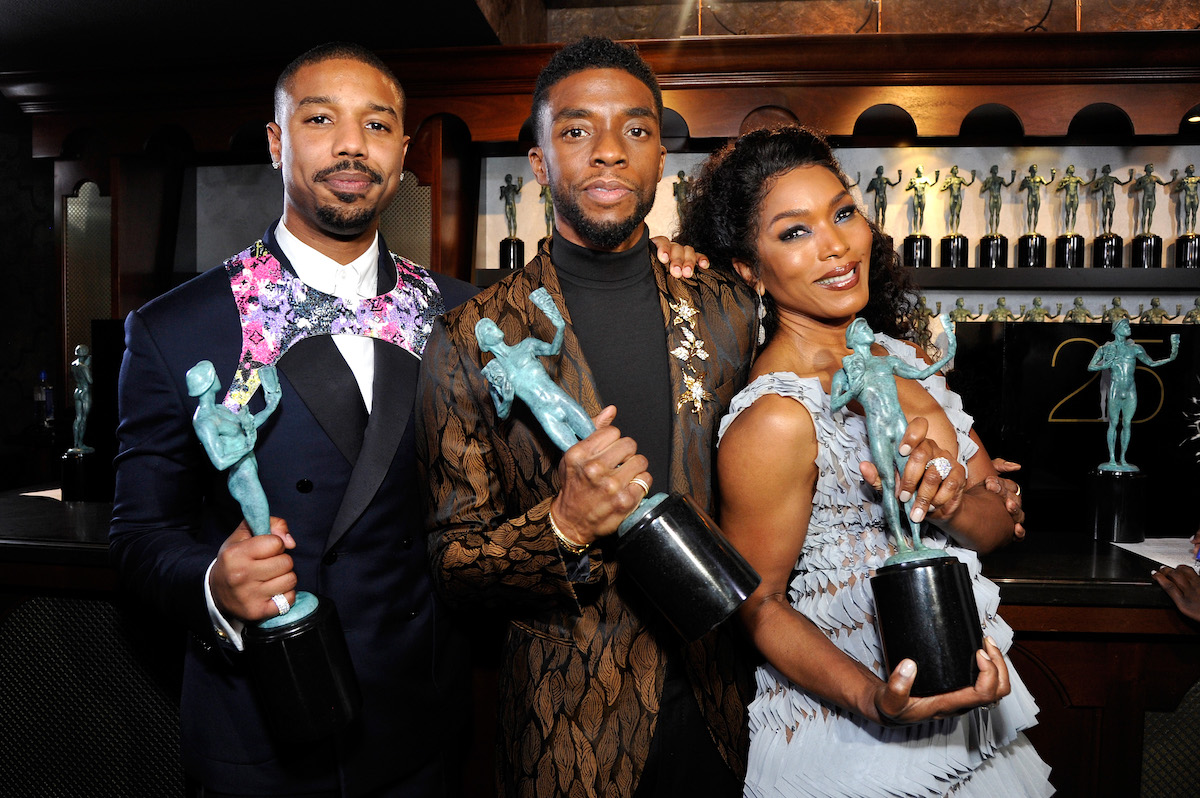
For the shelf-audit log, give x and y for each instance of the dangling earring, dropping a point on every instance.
(762, 314)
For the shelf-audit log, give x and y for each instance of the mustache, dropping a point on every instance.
(348, 166)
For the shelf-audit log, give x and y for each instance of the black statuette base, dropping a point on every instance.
(1119, 501)
(685, 566)
(303, 677)
(926, 611)
(993, 252)
(955, 250)
(1031, 251)
(1068, 252)
(1146, 252)
(1187, 251)
(79, 477)
(512, 253)
(1107, 251)
(918, 251)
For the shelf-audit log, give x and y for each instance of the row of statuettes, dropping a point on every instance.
(1102, 182)
(1078, 313)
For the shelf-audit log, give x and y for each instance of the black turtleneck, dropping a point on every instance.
(614, 306)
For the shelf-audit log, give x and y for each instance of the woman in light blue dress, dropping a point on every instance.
(797, 498)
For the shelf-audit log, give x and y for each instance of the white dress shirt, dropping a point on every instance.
(355, 280)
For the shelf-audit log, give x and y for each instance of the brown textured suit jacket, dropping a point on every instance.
(584, 661)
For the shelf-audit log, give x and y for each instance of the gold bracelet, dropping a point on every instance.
(564, 541)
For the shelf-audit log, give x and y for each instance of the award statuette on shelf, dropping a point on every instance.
(1119, 489)
(918, 250)
(955, 246)
(1108, 247)
(1068, 247)
(297, 661)
(993, 247)
(77, 476)
(924, 605)
(512, 249)
(1187, 246)
(667, 545)
(879, 185)
(1146, 249)
(1031, 247)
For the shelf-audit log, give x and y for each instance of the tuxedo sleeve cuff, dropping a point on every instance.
(227, 630)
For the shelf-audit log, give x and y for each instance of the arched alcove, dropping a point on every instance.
(885, 124)
(1189, 125)
(766, 116)
(1100, 123)
(992, 123)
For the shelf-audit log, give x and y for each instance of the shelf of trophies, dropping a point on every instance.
(1039, 222)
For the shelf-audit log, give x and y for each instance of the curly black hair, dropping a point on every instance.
(329, 52)
(590, 52)
(721, 217)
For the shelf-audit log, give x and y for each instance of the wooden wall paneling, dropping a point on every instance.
(441, 155)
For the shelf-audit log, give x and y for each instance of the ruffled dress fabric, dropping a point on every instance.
(803, 746)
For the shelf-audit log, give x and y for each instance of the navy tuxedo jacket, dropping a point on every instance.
(352, 503)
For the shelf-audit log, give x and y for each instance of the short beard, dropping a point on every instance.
(343, 220)
(599, 235)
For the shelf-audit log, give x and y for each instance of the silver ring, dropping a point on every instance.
(941, 465)
(641, 483)
(281, 603)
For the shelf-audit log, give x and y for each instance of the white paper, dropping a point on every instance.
(52, 493)
(1168, 551)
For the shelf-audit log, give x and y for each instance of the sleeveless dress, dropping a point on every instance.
(803, 746)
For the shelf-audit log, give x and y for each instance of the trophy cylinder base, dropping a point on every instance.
(993, 252)
(1187, 251)
(1146, 252)
(512, 253)
(1106, 251)
(1119, 500)
(303, 677)
(918, 251)
(926, 611)
(1068, 252)
(1031, 251)
(79, 477)
(954, 252)
(685, 566)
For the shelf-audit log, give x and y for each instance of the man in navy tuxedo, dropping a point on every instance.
(336, 460)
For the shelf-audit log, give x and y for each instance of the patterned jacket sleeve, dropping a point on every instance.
(489, 540)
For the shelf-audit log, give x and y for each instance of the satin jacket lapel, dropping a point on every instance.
(393, 393)
(318, 372)
(679, 424)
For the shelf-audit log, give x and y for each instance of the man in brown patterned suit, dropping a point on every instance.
(598, 695)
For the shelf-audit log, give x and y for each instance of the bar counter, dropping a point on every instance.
(1096, 640)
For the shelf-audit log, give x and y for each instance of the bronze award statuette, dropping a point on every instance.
(918, 249)
(1108, 247)
(1147, 248)
(924, 606)
(1031, 247)
(955, 247)
(1068, 247)
(512, 249)
(298, 661)
(993, 247)
(1187, 246)
(667, 545)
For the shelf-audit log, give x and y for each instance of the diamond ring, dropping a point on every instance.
(281, 603)
(941, 465)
